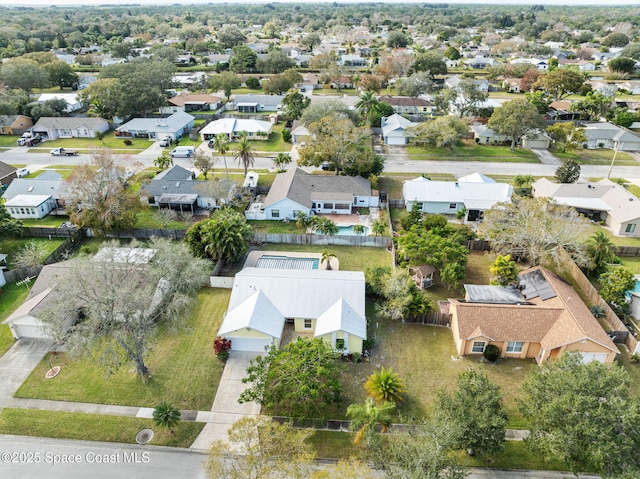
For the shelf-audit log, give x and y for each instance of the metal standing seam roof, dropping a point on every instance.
(175, 122)
(420, 189)
(27, 200)
(285, 262)
(255, 312)
(230, 126)
(341, 317)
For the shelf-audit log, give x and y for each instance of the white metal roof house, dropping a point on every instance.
(603, 200)
(394, 129)
(173, 126)
(257, 103)
(608, 135)
(299, 134)
(296, 190)
(32, 198)
(474, 193)
(232, 127)
(73, 104)
(329, 304)
(56, 127)
(30, 206)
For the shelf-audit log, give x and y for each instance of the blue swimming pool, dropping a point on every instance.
(348, 231)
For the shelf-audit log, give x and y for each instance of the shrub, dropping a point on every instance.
(385, 386)
(491, 353)
(166, 415)
(128, 142)
(286, 135)
(221, 348)
(597, 311)
(253, 83)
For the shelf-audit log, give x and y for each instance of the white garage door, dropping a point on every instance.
(395, 140)
(29, 331)
(249, 344)
(588, 357)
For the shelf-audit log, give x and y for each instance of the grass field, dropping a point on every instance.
(185, 372)
(469, 151)
(109, 141)
(93, 427)
(12, 296)
(597, 157)
(12, 245)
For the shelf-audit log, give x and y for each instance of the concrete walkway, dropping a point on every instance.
(17, 363)
(226, 409)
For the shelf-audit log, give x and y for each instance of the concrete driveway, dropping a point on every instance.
(226, 409)
(17, 363)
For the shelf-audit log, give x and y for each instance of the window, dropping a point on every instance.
(340, 343)
(308, 324)
(343, 206)
(295, 213)
(453, 206)
(478, 346)
(275, 213)
(630, 228)
(328, 206)
(514, 347)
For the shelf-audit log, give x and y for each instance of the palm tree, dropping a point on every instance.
(358, 229)
(378, 228)
(326, 258)
(166, 415)
(303, 221)
(600, 251)
(385, 386)
(282, 160)
(325, 226)
(221, 145)
(163, 162)
(244, 153)
(367, 416)
(367, 104)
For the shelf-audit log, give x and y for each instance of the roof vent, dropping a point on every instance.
(30, 189)
(630, 199)
(177, 184)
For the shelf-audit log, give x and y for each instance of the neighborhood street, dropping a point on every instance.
(396, 162)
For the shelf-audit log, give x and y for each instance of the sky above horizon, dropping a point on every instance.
(201, 2)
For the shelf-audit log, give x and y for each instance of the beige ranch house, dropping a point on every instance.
(541, 318)
(323, 304)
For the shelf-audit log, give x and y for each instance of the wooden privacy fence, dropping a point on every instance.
(433, 318)
(627, 251)
(322, 240)
(148, 233)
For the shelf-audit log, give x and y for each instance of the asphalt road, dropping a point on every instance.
(395, 163)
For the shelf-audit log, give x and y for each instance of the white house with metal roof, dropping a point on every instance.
(324, 303)
(257, 103)
(475, 193)
(298, 191)
(32, 198)
(603, 200)
(173, 126)
(232, 127)
(394, 129)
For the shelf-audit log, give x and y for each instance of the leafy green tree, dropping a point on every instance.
(560, 83)
(120, 304)
(317, 111)
(476, 413)
(294, 103)
(539, 99)
(277, 85)
(275, 61)
(61, 74)
(516, 118)
(24, 75)
(310, 40)
(203, 162)
(385, 386)
(600, 251)
(397, 39)
(621, 65)
(568, 171)
(415, 85)
(269, 451)
(523, 183)
(102, 98)
(452, 53)
(166, 415)
(567, 136)
(615, 284)
(582, 414)
(245, 154)
(625, 118)
(224, 237)
(301, 380)
(632, 50)
(466, 97)
(230, 36)
(378, 228)
(8, 226)
(31, 255)
(225, 81)
(503, 270)
(382, 110)
(615, 40)
(253, 83)
(411, 217)
(430, 62)
(243, 59)
(366, 417)
(422, 452)
(443, 132)
(595, 105)
(535, 229)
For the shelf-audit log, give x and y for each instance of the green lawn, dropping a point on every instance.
(93, 427)
(392, 183)
(185, 372)
(13, 245)
(633, 263)
(275, 227)
(9, 141)
(335, 92)
(334, 445)
(48, 221)
(151, 218)
(515, 455)
(468, 150)
(597, 157)
(109, 141)
(621, 240)
(12, 296)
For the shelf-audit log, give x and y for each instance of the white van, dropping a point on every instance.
(183, 152)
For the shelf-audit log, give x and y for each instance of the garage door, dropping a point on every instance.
(249, 344)
(395, 140)
(588, 357)
(29, 331)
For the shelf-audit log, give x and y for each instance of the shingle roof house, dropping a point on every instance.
(296, 190)
(173, 126)
(607, 135)
(603, 200)
(56, 127)
(542, 318)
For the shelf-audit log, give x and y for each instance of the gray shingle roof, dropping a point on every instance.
(33, 186)
(175, 173)
(57, 123)
(6, 170)
(302, 187)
